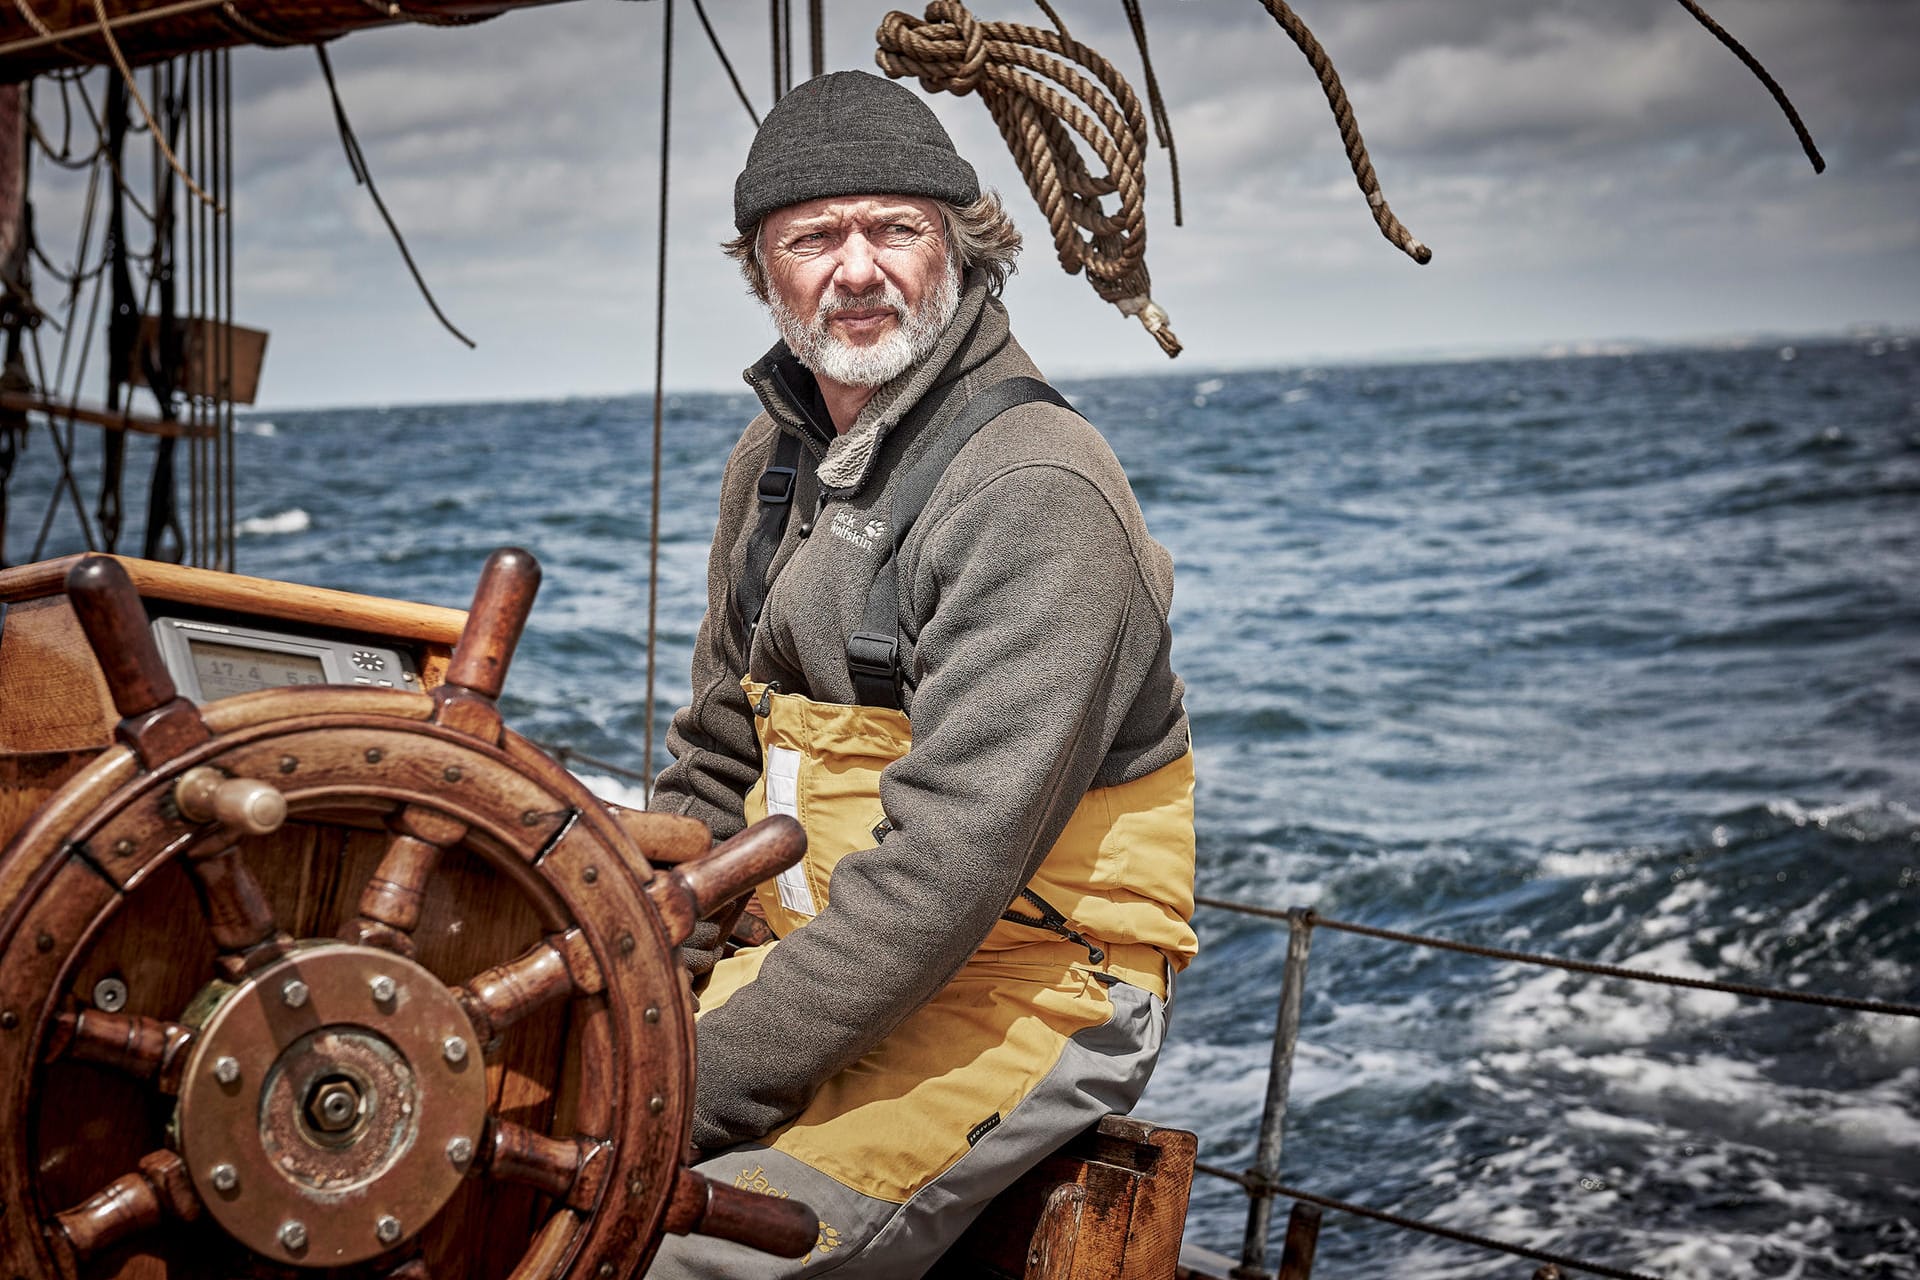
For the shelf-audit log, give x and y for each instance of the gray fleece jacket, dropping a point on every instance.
(1033, 624)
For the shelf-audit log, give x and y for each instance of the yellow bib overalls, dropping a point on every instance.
(1122, 872)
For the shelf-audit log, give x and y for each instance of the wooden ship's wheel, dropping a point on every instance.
(348, 979)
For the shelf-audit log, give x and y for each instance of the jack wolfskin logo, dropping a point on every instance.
(982, 1129)
(850, 527)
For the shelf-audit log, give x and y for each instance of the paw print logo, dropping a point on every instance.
(367, 661)
(828, 1241)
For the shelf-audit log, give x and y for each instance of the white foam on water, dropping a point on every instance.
(293, 520)
(1208, 386)
(256, 427)
(626, 794)
(1296, 395)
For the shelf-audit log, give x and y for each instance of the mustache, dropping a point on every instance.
(881, 295)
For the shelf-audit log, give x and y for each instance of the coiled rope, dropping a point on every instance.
(1040, 100)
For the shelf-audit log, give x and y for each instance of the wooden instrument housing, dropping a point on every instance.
(55, 711)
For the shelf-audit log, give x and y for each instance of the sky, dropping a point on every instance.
(1585, 173)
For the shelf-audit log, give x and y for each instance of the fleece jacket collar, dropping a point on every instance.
(978, 331)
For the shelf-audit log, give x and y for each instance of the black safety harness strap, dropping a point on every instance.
(873, 652)
(778, 483)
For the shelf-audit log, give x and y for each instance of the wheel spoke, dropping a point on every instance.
(390, 904)
(139, 1201)
(773, 1224)
(497, 998)
(568, 1169)
(238, 913)
(144, 1048)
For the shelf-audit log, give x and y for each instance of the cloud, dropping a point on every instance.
(1590, 144)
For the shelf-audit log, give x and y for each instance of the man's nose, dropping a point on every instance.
(859, 268)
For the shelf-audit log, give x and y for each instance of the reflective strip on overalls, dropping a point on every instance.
(1122, 872)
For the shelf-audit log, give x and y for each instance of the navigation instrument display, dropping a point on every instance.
(227, 669)
(211, 660)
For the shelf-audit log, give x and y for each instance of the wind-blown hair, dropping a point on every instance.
(980, 237)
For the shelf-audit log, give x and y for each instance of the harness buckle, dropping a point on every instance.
(776, 485)
(873, 655)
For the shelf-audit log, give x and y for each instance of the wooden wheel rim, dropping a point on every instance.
(327, 749)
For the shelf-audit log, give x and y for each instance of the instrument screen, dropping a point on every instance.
(227, 669)
(211, 660)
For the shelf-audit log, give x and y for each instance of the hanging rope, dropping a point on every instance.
(120, 61)
(659, 382)
(1363, 173)
(1162, 125)
(1011, 65)
(1773, 86)
(364, 176)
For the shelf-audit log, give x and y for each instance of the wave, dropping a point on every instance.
(292, 520)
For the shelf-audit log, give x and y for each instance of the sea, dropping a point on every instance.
(1609, 656)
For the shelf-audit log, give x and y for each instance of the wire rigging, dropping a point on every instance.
(659, 382)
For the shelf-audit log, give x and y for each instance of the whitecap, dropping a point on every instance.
(292, 520)
(1208, 387)
(256, 427)
(629, 795)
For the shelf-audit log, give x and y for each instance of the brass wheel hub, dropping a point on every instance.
(325, 1101)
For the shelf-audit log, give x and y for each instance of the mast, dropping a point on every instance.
(37, 36)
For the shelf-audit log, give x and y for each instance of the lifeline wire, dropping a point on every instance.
(1853, 1003)
(1260, 1187)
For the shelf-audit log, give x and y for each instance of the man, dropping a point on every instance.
(937, 634)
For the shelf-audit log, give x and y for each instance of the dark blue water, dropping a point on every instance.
(1616, 658)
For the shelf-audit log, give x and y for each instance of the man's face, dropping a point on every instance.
(861, 286)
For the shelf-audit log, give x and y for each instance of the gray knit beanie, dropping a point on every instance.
(844, 134)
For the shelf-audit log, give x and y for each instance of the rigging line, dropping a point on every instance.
(1257, 1186)
(1852, 1003)
(726, 63)
(120, 60)
(157, 14)
(1390, 226)
(1054, 18)
(773, 43)
(817, 37)
(98, 121)
(659, 377)
(1157, 105)
(1721, 34)
(40, 28)
(786, 45)
(357, 161)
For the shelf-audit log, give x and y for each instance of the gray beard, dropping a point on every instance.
(911, 341)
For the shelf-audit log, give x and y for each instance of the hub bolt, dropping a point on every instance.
(224, 1177)
(334, 1106)
(459, 1151)
(226, 1069)
(110, 995)
(388, 1228)
(384, 989)
(294, 993)
(455, 1048)
(293, 1234)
